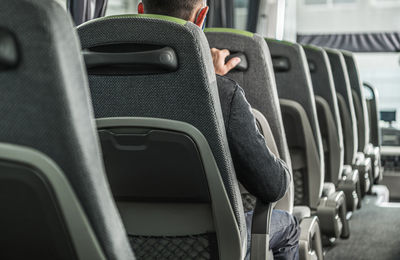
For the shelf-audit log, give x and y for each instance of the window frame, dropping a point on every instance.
(388, 4)
(331, 5)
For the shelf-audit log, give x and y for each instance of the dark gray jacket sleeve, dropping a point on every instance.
(261, 173)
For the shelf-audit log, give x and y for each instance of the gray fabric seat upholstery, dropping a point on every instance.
(258, 82)
(346, 106)
(300, 120)
(360, 104)
(298, 102)
(330, 124)
(189, 94)
(328, 112)
(45, 110)
(349, 121)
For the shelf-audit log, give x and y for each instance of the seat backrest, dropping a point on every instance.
(359, 101)
(346, 106)
(187, 92)
(300, 120)
(328, 111)
(258, 82)
(47, 118)
(372, 105)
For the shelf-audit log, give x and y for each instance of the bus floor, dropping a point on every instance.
(375, 232)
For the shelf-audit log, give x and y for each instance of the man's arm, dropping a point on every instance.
(257, 168)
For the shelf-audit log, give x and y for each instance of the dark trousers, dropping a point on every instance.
(284, 235)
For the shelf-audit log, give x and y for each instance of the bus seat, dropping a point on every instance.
(327, 110)
(302, 130)
(300, 121)
(348, 119)
(54, 196)
(258, 82)
(375, 135)
(161, 69)
(360, 105)
(330, 124)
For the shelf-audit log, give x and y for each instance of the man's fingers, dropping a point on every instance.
(232, 63)
(224, 53)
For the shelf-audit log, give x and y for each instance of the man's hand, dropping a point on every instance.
(219, 57)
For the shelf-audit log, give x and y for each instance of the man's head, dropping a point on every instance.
(190, 10)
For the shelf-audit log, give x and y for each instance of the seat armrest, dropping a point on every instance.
(364, 165)
(347, 171)
(369, 149)
(335, 199)
(260, 229)
(332, 215)
(301, 212)
(360, 156)
(363, 161)
(310, 243)
(372, 150)
(328, 189)
(338, 199)
(350, 185)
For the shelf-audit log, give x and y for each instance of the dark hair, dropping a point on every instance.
(177, 8)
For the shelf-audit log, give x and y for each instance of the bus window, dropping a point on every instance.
(241, 10)
(313, 2)
(382, 70)
(116, 7)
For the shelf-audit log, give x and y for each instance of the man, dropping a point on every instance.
(259, 171)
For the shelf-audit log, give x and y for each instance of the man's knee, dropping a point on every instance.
(286, 226)
(295, 226)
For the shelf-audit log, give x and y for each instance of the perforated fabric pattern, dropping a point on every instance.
(298, 187)
(200, 247)
(189, 94)
(45, 105)
(249, 202)
(345, 102)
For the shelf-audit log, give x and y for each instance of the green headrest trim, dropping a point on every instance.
(155, 16)
(279, 41)
(312, 47)
(230, 30)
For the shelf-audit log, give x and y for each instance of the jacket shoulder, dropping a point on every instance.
(226, 85)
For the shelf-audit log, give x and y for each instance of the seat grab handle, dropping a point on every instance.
(243, 65)
(164, 58)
